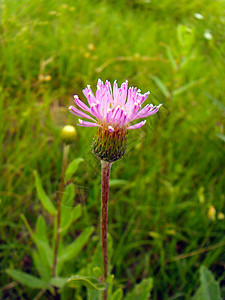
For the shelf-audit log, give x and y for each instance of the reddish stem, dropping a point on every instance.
(106, 166)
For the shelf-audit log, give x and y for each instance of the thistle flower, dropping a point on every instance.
(113, 113)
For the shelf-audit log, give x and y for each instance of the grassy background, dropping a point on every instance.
(50, 50)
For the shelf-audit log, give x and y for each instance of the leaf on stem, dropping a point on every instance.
(71, 169)
(43, 247)
(69, 213)
(72, 250)
(89, 282)
(45, 200)
(43, 269)
(27, 280)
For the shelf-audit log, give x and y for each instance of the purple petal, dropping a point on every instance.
(89, 95)
(79, 113)
(142, 98)
(147, 111)
(143, 111)
(79, 103)
(95, 110)
(87, 124)
(138, 125)
(108, 115)
(123, 119)
(123, 97)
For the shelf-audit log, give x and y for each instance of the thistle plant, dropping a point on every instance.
(112, 111)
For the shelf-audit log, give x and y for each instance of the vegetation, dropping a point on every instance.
(166, 206)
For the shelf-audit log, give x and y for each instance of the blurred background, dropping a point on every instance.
(166, 212)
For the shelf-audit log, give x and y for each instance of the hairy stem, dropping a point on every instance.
(106, 166)
(62, 185)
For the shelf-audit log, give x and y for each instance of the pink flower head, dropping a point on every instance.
(113, 110)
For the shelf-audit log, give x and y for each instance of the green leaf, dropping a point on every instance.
(68, 196)
(43, 247)
(59, 282)
(141, 290)
(171, 58)
(45, 200)
(71, 169)
(161, 86)
(73, 249)
(185, 87)
(118, 295)
(69, 213)
(75, 213)
(40, 229)
(27, 280)
(217, 102)
(209, 287)
(43, 269)
(89, 282)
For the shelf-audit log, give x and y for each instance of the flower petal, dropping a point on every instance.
(138, 125)
(79, 113)
(147, 111)
(81, 104)
(87, 124)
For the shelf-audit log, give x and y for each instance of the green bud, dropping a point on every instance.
(110, 146)
(68, 134)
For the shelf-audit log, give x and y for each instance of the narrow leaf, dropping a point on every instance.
(27, 280)
(217, 102)
(43, 247)
(40, 229)
(71, 169)
(45, 200)
(161, 86)
(75, 213)
(67, 204)
(171, 58)
(43, 269)
(185, 87)
(89, 282)
(73, 249)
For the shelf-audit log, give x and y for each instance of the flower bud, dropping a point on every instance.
(68, 134)
(110, 145)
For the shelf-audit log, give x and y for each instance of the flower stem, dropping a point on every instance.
(62, 185)
(106, 166)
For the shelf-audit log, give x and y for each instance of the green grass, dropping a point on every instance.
(51, 50)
